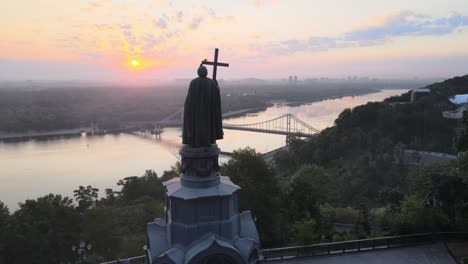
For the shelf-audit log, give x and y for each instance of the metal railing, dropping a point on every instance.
(360, 245)
(132, 260)
(341, 247)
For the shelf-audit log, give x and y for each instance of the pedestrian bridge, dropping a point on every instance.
(288, 125)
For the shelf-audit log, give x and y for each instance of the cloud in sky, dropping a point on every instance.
(170, 26)
(103, 26)
(196, 21)
(147, 36)
(256, 3)
(173, 34)
(408, 23)
(94, 4)
(179, 16)
(162, 21)
(260, 3)
(381, 31)
(152, 41)
(127, 31)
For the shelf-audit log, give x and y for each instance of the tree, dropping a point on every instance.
(175, 171)
(5, 225)
(136, 187)
(285, 162)
(305, 232)
(101, 228)
(414, 217)
(116, 226)
(309, 189)
(362, 227)
(344, 119)
(441, 187)
(327, 223)
(461, 140)
(46, 229)
(390, 197)
(446, 192)
(463, 167)
(259, 192)
(132, 218)
(86, 197)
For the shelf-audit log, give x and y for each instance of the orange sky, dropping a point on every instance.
(98, 40)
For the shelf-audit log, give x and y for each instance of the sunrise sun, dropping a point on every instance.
(137, 64)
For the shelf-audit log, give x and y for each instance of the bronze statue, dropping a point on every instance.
(202, 112)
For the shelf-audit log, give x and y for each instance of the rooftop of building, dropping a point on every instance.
(422, 90)
(459, 99)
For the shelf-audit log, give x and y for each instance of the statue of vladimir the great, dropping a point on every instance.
(202, 112)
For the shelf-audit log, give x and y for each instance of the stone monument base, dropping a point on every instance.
(202, 221)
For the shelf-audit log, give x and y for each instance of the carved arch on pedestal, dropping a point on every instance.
(216, 252)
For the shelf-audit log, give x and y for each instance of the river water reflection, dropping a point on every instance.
(31, 169)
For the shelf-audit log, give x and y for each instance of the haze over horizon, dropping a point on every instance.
(164, 40)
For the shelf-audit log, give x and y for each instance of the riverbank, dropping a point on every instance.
(242, 112)
(90, 131)
(34, 134)
(299, 103)
(63, 133)
(81, 131)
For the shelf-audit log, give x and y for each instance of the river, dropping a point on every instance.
(34, 168)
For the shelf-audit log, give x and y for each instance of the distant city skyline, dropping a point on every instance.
(136, 41)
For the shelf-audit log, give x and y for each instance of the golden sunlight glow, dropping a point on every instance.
(140, 64)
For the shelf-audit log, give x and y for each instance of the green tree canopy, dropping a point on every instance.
(305, 232)
(259, 193)
(5, 226)
(46, 229)
(148, 185)
(309, 189)
(461, 140)
(416, 218)
(86, 197)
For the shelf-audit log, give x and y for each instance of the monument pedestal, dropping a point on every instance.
(202, 221)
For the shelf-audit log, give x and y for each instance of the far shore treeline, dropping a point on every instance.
(58, 106)
(353, 173)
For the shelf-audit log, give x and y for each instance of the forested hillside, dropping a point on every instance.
(357, 167)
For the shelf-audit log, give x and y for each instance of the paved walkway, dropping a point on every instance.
(62, 132)
(430, 254)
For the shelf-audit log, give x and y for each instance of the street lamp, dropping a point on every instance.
(82, 249)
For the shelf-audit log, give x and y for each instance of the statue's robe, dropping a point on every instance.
(202, 114)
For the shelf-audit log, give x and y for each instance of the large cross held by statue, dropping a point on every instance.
(215, 63)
